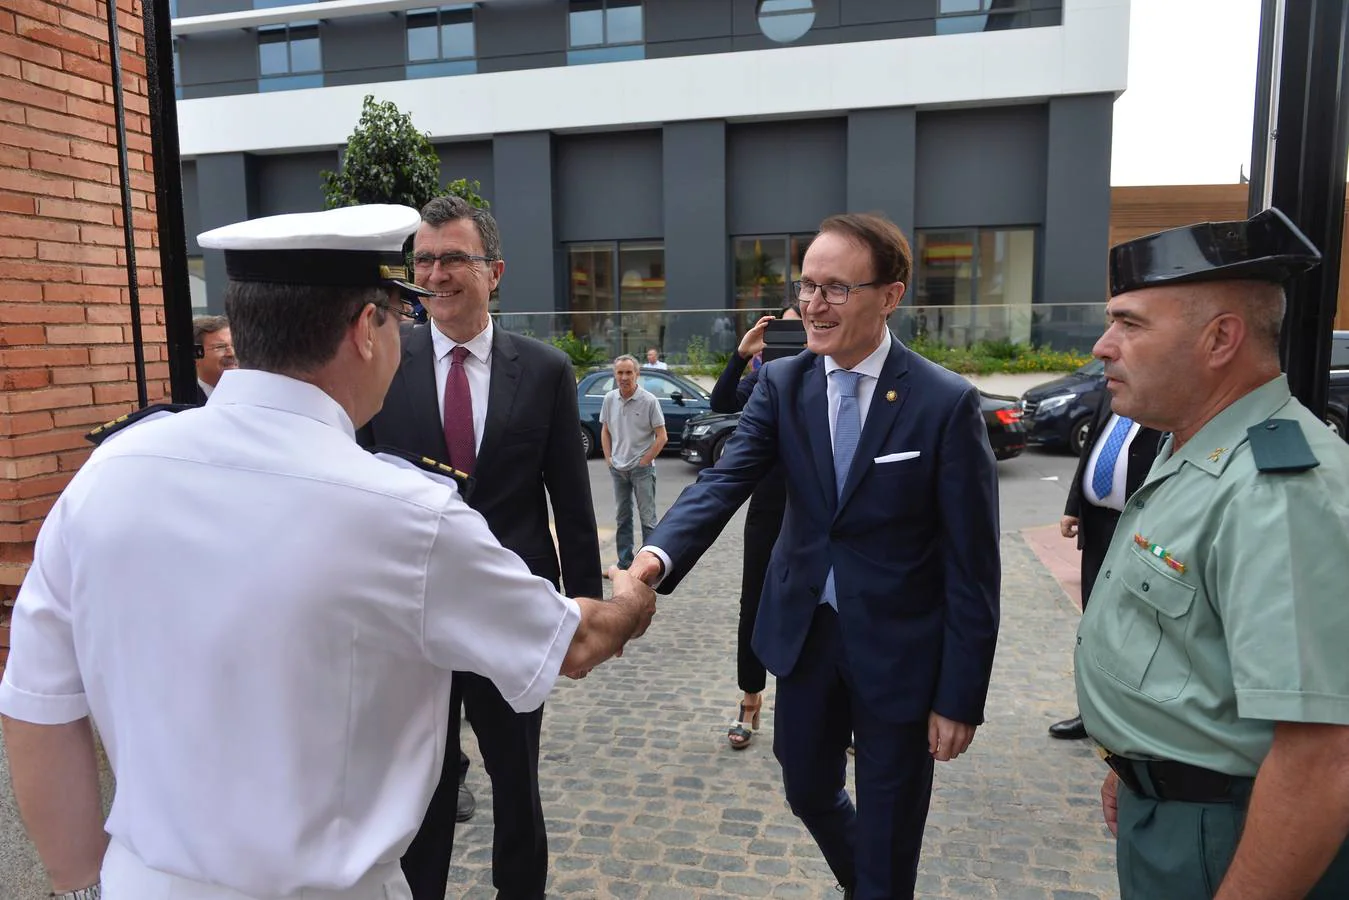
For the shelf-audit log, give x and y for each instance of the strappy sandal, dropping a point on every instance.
(742, 730)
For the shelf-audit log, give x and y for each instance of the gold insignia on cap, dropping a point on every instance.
(891, 396)
(398, 272)
(1217, 454)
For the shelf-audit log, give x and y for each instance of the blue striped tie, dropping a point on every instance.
(847, 431)
(1103, 476)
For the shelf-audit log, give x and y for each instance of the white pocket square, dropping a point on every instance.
(897, 457)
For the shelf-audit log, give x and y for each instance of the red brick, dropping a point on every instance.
(99, 153)
(44, 356)
(13, 157)
(102, 193)
(27, 467)
(44, 443)
(63, 124)
(61, 81)
(34, 96)
(35, 509)
(80, 211)
(89, 68)
(7, 21)
(31, 183)
(21, 335)
(18, 136)
(78, 44)
(23, 380)
(28, 423)
(48, 486)
(88, 415)
(23, 292)
(17, 47)
(96, 110)
(42, 229)
(109, 315)
(80, 293)
(13, 248)
(86, 25)
(13, 112)
(104, 275)
(102, 356)
(84, 334)
(76, 253)
(92, 374)
(40, 272)
(72, 168)
(16, 553)
(13, 203)
(10, 67)
(52, 398)
(112, 393)
(44, 10)
(38, 312)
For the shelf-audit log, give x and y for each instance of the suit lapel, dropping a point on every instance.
(815, 396)
(881, 416)
(501, 393)
(418, 372)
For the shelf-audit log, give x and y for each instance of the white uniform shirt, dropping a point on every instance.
(1118, 477)
(478, 369)
(262, 619)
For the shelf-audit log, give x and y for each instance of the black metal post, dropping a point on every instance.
(1307, 178)
(1271, 14)
(169, 200)
(128, 225)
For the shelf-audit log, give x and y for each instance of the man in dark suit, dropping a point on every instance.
(879, 614)
(1116, 457)
(214, 351)
(502, 407)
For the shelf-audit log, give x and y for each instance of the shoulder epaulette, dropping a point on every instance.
(1280, 446)
(462, 480)
(137, 417)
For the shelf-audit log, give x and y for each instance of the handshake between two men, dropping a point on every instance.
(607, 625)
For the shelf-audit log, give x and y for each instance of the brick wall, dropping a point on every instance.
(65, 333)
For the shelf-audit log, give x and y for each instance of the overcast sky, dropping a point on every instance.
(1186, 116)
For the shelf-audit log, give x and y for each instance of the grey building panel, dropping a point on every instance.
(516, 63)
(1040, 18)
(523, 165)
(696, 250)
(609, 186)
(882, 161)
(1077, 199)
(981, 167)
(689, 48)
(225, 194)
(220, 89)
(785, 176)
(361, 76)
(882, 31)
(218, 58)
(686, 20)
(869, 12)
(520, 29)
(191, 207)
(364, 45)
(1047, 4)
(291, 183)
(468, 160)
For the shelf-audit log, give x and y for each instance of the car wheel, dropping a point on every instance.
(1335, 423)
(719, 448)
(587, 442)
(1077, 435)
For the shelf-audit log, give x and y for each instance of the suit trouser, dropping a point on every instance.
(763, 523)
(1097, 525)
(509, 743)
(1169, 850)
(125, 877)
(874, 846)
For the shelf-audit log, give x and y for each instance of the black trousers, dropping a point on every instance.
(509, 742)
(1097, 525)
(763, 524)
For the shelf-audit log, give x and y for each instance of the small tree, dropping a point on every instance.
(468, 190)
(387, 161)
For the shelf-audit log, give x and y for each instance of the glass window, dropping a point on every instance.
(974, 284)
(948, 7)
(623, 22)
(422, 37)
(196, 283)
(440, 33)
(586, 23)
(663, 388)
(963, 16)
(273, 51)
(603, 23)
(600, 386)
(590, 289)
(618, 288)
(304, 49)
(286, 51)
(765, 266)
(785, 21)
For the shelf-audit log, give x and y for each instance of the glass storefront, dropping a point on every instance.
(609, 278)
(974, 267)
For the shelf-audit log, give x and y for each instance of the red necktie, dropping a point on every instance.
(459, 414)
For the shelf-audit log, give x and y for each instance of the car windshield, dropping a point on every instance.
(1093, 368)
(662, 386)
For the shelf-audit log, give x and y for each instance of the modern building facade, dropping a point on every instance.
(675, 155)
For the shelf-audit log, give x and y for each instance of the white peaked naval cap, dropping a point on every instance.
(354, 246)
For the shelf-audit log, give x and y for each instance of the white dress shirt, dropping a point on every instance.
(271, 683)
(1118, 495)
(478, 368)
(205, 388)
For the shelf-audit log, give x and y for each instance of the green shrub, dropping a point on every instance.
(583, 355)
(988, 357)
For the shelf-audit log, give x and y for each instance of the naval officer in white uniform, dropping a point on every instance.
(280, 735)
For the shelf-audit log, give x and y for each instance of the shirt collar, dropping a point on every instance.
(1213, 445)
(480, 345)
(253, 387)
(205, 388)
(872, 366)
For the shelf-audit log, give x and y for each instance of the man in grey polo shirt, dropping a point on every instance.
(632, 432)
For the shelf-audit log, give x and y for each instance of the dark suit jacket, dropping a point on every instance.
(913, 544)
(530, 442)
(1142, 451)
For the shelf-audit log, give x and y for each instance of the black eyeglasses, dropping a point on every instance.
(834, 294)
(405, 308)
(425, 262)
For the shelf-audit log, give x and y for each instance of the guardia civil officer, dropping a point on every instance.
(1211, 662)
(281, 735)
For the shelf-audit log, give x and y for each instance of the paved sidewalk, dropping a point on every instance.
(645, 799)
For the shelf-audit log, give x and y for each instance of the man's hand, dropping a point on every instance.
(946, 738)
(607, 625)
(647, 568)
(1110, 803)
(1068, 526)
(753, 341)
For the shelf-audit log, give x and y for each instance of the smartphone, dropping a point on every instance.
(783, 337)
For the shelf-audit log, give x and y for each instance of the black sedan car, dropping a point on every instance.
(1058, 413)
(705, 437)
(1337, 401)
(680, 400)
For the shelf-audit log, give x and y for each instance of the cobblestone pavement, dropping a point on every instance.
(645, 799)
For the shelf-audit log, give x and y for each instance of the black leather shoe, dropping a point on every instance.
(1069, 729)
(466, 805)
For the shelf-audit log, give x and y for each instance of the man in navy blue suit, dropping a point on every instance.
(879, 614)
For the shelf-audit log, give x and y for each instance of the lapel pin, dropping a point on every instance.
(1217, 454)
(891, 395)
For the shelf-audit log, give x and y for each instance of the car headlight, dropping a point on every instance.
(700, 430)
(1058, 401)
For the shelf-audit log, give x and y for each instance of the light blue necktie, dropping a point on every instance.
(847, 431)
(1103, 476)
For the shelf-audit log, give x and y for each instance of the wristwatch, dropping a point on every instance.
(93, 892)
